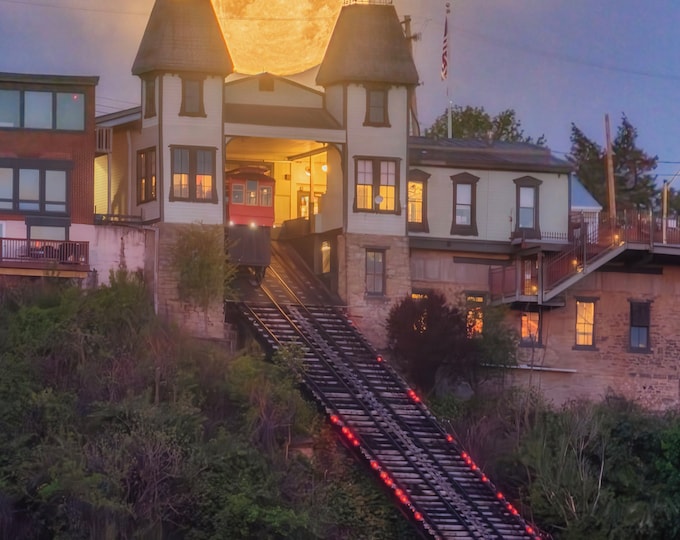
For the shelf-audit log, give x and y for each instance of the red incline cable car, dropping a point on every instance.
(250, 217)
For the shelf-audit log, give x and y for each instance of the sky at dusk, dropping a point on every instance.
(554, 61)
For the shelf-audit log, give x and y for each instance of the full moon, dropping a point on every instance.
(276, 36)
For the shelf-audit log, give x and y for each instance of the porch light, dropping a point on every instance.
(324, 167)
(378, 200)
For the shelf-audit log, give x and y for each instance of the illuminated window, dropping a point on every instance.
(376, 107)
(304, 203)
(146, 175)
(377, 182)
(639, 326)
(530, 277)
(475, 314)
(530, 332)
(526, 219)
(375, 272)
(193, 174)
(251, 192)
(325, 257)
(266, 196)
(417, 201)
(192, 97)
(585, 323)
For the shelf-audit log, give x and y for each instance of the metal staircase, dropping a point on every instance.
(434, 481)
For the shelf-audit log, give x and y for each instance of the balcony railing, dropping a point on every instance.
(23, 253)
(592, 238)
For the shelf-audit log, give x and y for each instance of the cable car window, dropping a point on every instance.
(251, 192)
(237, 194)
(265, 196)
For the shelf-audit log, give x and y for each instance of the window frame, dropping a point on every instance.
(149, 192)
(535, 230)
(464, 179)
(592, 325)
(55, 108)
(382, 108)
(643, 318)
(193, 173)
(417, 176)
(527, 342)
(43, 167)
(475, 303)
(150, 96)
(371, 274)
(376, 173)
(185, 109)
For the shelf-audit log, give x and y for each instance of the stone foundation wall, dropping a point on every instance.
(369, 313)
(190, 318)
(561, 371)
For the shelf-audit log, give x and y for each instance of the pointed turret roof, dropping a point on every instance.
(183, 35)
(368, 45)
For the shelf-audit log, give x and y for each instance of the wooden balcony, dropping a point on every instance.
(592, 243)
(19, 256)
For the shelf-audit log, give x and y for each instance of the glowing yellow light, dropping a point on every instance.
(295, 34)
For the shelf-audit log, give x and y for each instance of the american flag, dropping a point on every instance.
(445, 50)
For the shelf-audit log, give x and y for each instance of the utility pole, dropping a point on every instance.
(611, 190)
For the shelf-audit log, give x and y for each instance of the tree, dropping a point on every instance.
(633, 178)
(475, 123)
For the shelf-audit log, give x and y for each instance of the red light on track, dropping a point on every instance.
(403, 499)
(499, 495)
(355, 442)
(379, 358)
(345, 430)
(419, 516)
(398, 492)
(449, 437)
(335, 419)
(529, 529)
(484, 478)
(375, 465)
(413, 396)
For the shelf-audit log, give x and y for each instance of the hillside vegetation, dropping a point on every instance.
(115, 426)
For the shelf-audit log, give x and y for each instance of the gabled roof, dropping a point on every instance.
(368, 45)
(477, 154)
(581, 199)
(183, 36)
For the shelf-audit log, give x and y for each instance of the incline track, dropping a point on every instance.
(436, 483)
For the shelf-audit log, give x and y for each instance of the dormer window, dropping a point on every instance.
(192, 97)
(150, 97)
(376, 107)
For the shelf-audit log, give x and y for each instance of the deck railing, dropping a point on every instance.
(591, 237)
(17, 251)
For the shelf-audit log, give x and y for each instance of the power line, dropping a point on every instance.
(564, 57)
(74, 8)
